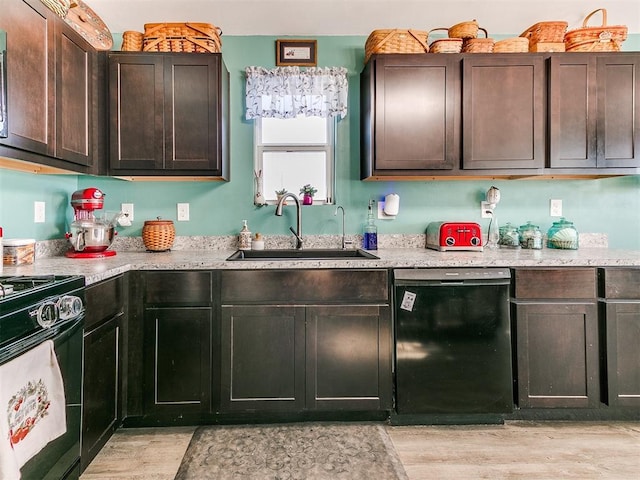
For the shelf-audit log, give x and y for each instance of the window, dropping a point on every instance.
(293, 152)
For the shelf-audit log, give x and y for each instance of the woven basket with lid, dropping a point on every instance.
(604, 38)
(158, 235)
(445, 45)
(478, 45)
(395, 41)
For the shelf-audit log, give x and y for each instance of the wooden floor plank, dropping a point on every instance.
(514, 451)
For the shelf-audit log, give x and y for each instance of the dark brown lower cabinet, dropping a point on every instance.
(555, 318)
(348, 355)
(620, 292)
(177, 358)
(262, 355)
(557, 355)
(323, 343)
(101, 404)
(623, 353)
(292, 358)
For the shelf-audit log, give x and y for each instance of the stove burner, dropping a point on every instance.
(10, 285)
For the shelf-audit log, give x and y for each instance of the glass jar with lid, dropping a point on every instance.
(509, 236)
(530, 236)
(563, 235)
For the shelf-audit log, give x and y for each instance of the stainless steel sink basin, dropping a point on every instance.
(308, 254)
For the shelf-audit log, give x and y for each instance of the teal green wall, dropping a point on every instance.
(609, 206)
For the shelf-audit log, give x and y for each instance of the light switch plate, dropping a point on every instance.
(555, 208)
(39, 212)
(183, 212)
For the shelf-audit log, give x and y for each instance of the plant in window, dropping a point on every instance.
(280, 193)
(307, 192)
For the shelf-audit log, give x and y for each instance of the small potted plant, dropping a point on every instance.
(279, 194)
(307, 192)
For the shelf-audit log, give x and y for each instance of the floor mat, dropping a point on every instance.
(306, 451)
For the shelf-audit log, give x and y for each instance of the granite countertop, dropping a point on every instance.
(99, 269)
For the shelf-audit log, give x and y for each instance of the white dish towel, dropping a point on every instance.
(32, 407)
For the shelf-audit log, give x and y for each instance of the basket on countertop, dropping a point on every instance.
(395, 41)
(132, 41)
(511, 45)
(604, 38)
(182, 37)
(158, 235)
(445, 45)
(464, 30)
(478, 45)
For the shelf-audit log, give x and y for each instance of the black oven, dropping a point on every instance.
(34, 310)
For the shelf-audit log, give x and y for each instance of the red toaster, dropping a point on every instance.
(450, 236)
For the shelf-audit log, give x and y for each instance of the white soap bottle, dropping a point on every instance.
(244, 238)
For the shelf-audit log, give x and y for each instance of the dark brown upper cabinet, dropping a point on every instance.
(168, 114)
(503, 111)
(410, 109)
(53, 84)
(594, 111)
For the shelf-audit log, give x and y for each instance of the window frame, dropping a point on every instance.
(328, 148)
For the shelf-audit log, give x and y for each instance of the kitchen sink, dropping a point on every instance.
(308, 254)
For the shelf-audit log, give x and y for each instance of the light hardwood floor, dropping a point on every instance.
(516, 450)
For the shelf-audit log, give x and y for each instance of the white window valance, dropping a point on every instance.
(286, 92)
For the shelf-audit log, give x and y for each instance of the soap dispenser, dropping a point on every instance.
(370, 238)
(244, 238)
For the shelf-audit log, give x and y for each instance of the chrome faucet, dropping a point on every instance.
(298, 231)
(340, 207)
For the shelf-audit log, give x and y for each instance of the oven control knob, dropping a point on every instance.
(47, 314)
(69, 306)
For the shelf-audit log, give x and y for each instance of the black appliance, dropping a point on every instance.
(453, 344)
(32, 311)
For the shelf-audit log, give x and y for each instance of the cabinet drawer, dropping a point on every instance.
(620, 283)
(177, 288)
(555, 283)
(104, 300)
(304, 286)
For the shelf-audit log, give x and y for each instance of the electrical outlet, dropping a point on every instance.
(127, 209)
(183, 212)
(484, 207)
(555, 208)
(38, 212)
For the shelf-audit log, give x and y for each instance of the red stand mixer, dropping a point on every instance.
(91, 235)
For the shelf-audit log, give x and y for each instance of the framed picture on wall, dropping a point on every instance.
(302, 53)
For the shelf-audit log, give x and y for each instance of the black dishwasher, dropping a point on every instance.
(453, 342)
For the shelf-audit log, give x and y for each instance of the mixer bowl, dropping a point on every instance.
(91, 236)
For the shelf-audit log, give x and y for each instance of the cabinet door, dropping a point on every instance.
(191, 112)
(74, 95)
(572, 111)
(503, 112)
(136, 106)
(416, 113)
(263, 358)
(618, 111)
(100, 404)
(177, 356)
(348, 358)
(30, 76)
(557, 355)
(623, 354)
